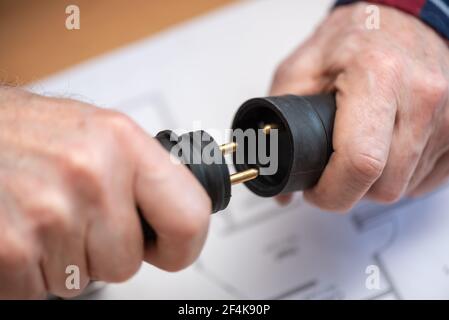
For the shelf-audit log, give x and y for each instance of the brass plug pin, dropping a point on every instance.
(268, 127)
(238, 177)
(228, 148)
(244, 176)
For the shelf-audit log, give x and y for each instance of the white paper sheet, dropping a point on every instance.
(196, 75)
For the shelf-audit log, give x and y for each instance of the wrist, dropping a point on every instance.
(434, 14)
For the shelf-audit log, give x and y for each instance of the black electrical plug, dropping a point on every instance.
(304, 125)
(212, 173)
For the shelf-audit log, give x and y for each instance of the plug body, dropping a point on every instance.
(202, 156)
(214, 176)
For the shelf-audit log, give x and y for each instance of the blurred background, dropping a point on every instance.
(35, 42)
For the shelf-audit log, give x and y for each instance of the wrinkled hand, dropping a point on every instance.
(70, 177)
(391, 133)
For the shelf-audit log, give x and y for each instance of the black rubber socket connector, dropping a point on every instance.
(305, 126)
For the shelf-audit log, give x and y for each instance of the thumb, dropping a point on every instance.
(302, 72)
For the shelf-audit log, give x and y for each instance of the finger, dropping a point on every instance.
(174, 204)
(284, 199)
(434, 150)
(47, 212)
(115, 241)
(404, 155)
(20, 274)
(363, 129)
(63, 262)
(417, 139)
(115, 246)
(438, 176)
(302, 72)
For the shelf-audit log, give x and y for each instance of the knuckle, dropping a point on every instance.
(82, 170)
(394, 181)
(44, 206)
(47, 217)
(411, 159)
(117, 123)
(355, 40)
(78, 160)
(388, 63)
(17, 255)
(366, 167)
(50, 210)
(433, 87)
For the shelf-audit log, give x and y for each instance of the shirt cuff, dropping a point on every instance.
(435, 13)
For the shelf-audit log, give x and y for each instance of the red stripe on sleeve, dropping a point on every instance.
(411, 6)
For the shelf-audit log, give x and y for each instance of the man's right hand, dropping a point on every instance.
(71, 176)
